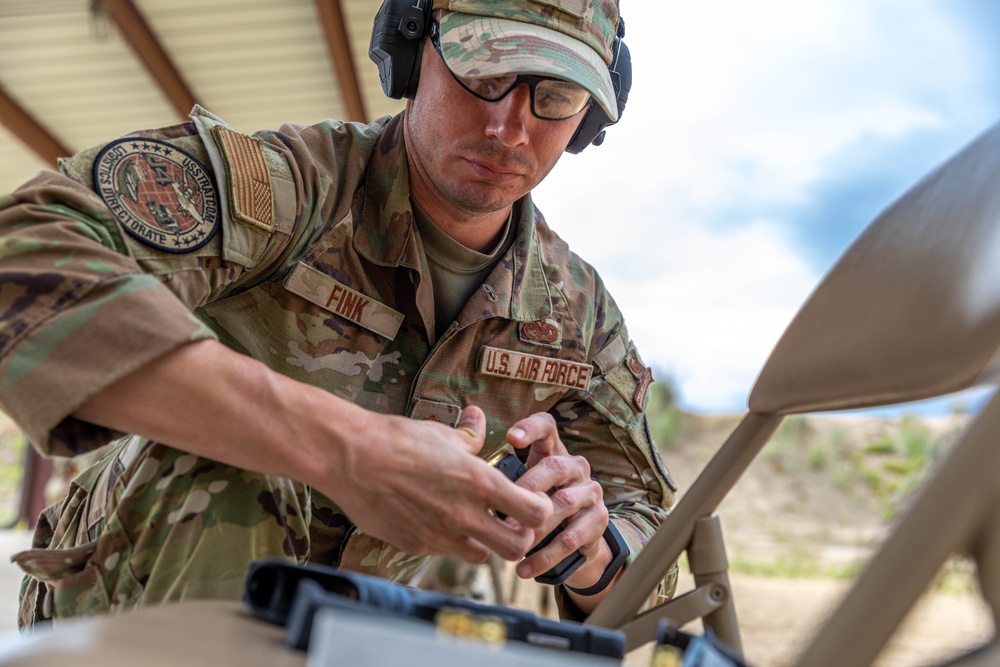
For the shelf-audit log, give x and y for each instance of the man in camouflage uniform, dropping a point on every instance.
(320, 331)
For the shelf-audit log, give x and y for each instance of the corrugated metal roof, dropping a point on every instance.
(255, 63)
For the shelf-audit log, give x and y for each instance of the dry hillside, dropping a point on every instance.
(807, 514)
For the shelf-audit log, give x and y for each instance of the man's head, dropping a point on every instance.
(475, 149)
(572, 40)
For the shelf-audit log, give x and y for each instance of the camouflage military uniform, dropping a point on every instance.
(297, 248)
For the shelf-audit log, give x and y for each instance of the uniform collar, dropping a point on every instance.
(531, 299)
(387, 235)
(518, 288)
(387, 231)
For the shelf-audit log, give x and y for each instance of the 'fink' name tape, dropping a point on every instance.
(329, 294)
(533, 368)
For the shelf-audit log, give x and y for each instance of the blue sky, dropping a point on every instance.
(759, 140)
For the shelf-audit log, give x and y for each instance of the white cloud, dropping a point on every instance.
(715, 308)
(707, 306)
(756, 96)
(736, 108)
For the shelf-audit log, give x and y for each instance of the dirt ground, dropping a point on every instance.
(778, 616)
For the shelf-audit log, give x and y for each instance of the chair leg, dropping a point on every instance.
(986, 552)
(710, 566)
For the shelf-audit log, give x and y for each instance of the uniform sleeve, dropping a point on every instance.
(76, 312)
(608, 426)
(103, 266)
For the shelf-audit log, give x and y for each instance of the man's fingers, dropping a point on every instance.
(579, 532)
(539, 432)
(529, 508)
(570, 540)
(509, 539)
(470, 535)
(573, 503)
(555, 472)
(473, 423)
(472, 550)
(471, 515)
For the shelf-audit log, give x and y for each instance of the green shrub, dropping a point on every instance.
(664, 415)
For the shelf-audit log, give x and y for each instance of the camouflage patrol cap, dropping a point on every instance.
(568, 39)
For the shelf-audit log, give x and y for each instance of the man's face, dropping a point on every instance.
(473, 155)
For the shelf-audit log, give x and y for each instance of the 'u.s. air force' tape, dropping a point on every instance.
(533, 368)
(327, 293)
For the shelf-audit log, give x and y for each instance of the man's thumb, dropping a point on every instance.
(473, 422)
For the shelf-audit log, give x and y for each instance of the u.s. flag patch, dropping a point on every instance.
(160, 194)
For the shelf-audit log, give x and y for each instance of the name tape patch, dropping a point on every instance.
(159, 193)
(327, 293)
(533, 368)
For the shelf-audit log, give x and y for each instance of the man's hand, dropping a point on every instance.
(421, 487)
(577, 500)
(417, 485)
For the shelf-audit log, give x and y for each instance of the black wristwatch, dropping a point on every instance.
(619, 553)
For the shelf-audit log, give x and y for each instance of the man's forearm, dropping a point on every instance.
(204, 398)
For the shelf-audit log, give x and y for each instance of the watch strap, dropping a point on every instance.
(619, 554)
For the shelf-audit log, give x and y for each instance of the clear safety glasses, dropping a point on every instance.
(551, 98)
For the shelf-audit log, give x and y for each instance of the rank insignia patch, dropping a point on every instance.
(635, 364)
(159, 193)
(642, 390)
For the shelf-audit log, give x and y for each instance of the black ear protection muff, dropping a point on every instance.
(397, 46)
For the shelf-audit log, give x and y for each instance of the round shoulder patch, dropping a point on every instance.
(159, 193)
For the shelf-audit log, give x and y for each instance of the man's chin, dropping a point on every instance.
(478, 202)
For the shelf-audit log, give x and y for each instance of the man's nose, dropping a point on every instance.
(510, 117)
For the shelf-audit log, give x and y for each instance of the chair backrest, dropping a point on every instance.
(911, 310)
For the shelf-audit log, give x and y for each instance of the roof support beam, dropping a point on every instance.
(331, 17)
(151, 53)
(29, 131)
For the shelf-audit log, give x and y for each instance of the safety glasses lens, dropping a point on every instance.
(551, 99)
(558, 99)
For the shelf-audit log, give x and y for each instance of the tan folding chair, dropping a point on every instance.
(910, 311)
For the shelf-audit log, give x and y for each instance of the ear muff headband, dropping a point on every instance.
(397, 46)
(596, 120)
